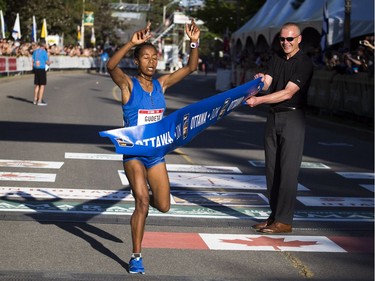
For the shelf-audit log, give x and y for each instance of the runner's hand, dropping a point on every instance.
(142, 35)
(192, 31)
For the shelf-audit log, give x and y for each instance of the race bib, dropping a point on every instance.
(147, 116)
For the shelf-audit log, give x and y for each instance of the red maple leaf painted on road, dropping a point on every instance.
(268, 241)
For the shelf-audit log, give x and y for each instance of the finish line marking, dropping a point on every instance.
(206, 180)
(170, 167)
(178, 197)
(95, 208)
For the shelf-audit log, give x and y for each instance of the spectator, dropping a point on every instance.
(40, 62)
(103, 62)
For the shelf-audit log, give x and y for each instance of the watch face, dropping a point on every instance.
(193, 45)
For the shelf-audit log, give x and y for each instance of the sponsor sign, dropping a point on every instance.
(12, 64)
(3, 64)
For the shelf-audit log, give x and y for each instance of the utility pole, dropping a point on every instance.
(348, 8)
(83, 25)
(165, 9)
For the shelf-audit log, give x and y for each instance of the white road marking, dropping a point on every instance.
(10, 176)
(93, 156)
(354, 175)
(65, 193)
(203, 180)
(336, 201)
(30, 164)
(304, 165)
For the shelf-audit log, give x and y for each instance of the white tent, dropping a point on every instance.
(274, 13)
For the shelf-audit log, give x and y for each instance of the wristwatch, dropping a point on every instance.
(194, 45)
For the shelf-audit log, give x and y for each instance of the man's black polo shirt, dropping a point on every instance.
(298, 69)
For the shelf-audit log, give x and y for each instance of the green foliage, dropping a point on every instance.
(62, 17)
(222, 17)
(3, 5)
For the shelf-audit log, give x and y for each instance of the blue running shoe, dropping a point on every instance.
(136, 266)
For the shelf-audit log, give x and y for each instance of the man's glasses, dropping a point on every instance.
(289, 39)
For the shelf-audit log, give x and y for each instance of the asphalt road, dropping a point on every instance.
(65, 204)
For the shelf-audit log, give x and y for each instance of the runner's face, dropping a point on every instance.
(292, 47)
(148, 60)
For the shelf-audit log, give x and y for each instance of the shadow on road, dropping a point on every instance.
(75, 228)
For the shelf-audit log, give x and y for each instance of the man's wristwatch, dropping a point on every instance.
(194, 45)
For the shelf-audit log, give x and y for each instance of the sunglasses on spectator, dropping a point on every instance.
(289, 39)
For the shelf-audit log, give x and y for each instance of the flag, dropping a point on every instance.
(93, 39)
(182, 125)
(44, 33)
(88, 18)
(82, 35)
(33, 31)
(2, 24)
(78, 33)
(325, 28)
(16, 32)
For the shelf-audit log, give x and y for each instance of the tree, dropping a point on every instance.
(62, 17)
(222, 17)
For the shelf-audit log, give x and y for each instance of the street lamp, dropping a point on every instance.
(165, 9)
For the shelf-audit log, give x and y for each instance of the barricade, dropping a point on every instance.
(342, 93)
(333, 92)
(23, 64)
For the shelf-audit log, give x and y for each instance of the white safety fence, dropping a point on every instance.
(20, 64)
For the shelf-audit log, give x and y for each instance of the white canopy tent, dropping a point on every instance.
(274, 13)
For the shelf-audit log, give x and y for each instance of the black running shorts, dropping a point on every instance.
(40, 76)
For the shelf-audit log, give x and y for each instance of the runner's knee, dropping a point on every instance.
(163, 207)
(142, 203)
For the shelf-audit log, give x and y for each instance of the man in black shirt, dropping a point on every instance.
(287, 80)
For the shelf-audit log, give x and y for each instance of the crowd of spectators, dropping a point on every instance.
(338, 59)
(17, 48)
